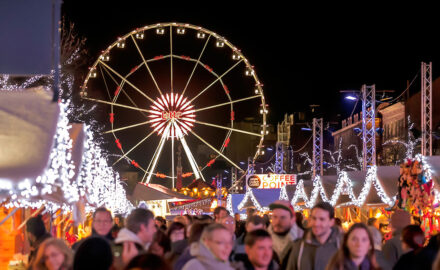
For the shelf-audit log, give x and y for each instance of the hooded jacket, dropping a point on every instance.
(204, 259)
(309, 254)
(283, 244)
(125, 235)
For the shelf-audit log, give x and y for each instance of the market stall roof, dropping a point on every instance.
(199, 184)
(235, 201)
(28, 121)
(155, 192)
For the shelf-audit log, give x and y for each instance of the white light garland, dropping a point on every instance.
(283, 194)
(229, 204)
(250, 195)
(98, 182)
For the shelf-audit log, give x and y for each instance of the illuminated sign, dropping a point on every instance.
(266, 181)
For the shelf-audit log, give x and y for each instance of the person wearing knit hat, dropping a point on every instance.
(392, 249)
(283, 229)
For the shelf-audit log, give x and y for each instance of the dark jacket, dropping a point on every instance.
(392, 249)
(108, 237)
(349, 265)
(248, 265)
(183, 259)
(428, 254)
(309, 254)
(407, 261)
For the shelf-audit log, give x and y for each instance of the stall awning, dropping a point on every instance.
(155, 192)
(28, 121)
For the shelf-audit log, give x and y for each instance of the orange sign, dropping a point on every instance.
(267, 181)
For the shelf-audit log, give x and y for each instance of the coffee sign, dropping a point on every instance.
(267, 181)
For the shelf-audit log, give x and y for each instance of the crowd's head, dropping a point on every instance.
(322, 218)
(53, 253)
(140, 221)
(220, 212)
(102, 221)
(218, 239)
(258, 247)
(35, 228)
(283, 216)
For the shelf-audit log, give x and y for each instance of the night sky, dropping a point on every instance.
(303, 55)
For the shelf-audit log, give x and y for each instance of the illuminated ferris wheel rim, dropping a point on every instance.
(172, 125)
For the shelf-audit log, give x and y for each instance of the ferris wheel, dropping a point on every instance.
(170, 86)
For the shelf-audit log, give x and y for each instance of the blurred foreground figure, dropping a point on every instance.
(53, 254)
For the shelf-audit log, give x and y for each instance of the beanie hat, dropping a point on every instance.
(282, 204)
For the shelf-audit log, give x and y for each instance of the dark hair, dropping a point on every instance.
(326, 207)
(209, 230)
(174, 227)
(102, 209)
(137, 217)
(343, 254)
(370, 221)
(218, 209)
(160, 219)
(195, 232)
(35, 226)
(148, 262)
(413, 236)
(256, 220)
(254, 236)
(162, 240)
(93, 253)
(189, 217)
(299, 220)
(338, 222)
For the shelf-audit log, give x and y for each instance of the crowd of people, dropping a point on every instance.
(223, 242)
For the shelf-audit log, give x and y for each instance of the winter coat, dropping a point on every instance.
(350, 265)
(309, 254)
(125, 235)
(204, 259)
(381, 261)
(283, 244)
(183, 259)
(407, 261)
(247, 265)
(392, 249)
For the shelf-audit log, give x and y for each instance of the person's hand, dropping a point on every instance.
(129, 251)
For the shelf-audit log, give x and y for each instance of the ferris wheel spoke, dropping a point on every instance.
(146, 65)
(105, 83)
(227, 103)
(228, 128)
(122, 90)
(127, 81)
(153, 162)
(216, 80)
(218, 152)
(116, 104)
(126, 127)
(196, 64)
(134, 147)
(191, 159)
(224, 145)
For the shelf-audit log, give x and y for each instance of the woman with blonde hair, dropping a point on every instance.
(53, 254)
(356, 252)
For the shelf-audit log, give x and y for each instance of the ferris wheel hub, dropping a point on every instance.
(172, 114)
